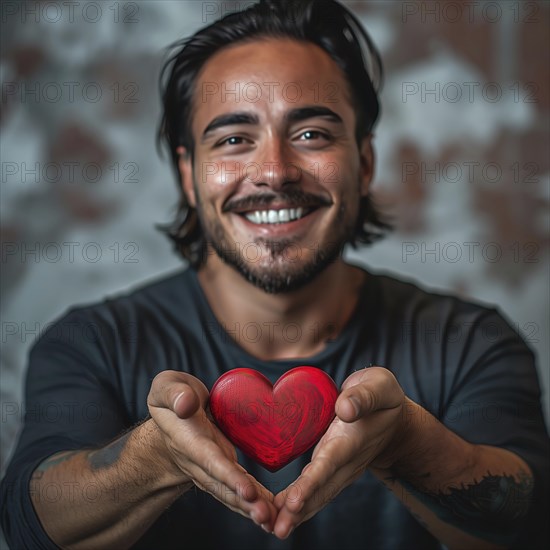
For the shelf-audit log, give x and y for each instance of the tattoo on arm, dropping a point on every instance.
(100, 458)
(50, 462)
(490, 508)
(107, 456)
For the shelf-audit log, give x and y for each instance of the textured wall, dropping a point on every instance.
(462, 153)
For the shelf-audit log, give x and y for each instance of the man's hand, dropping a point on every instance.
(177, 403)
(368, 425)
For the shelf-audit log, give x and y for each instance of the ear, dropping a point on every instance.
(185, 165)
(366, 153)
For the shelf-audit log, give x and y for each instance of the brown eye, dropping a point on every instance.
(233, 140)
(313, 135)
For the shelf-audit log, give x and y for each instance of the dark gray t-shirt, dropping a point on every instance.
(90, 374)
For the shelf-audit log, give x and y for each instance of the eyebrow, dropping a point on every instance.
(296, 115)
(228, 120)
(303, 113)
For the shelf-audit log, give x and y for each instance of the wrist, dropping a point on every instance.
(405, 439)
(158, 460)
(424, 445)
(409, 441)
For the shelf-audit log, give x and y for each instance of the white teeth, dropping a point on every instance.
(275, 216)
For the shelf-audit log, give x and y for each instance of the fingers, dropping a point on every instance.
(318, 484)
(322, 479)
(203, 454)
(367, 391)
(229, 483)
(366, 409)
(179, 392)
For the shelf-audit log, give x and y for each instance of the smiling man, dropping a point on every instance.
(283, 172)
(268, 115)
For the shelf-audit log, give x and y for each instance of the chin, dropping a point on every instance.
(277, 274)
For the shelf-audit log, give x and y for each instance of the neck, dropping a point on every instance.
(287, 325)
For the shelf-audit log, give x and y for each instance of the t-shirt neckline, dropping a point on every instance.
(244, 358)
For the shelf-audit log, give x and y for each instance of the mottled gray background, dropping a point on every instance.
(462, 153)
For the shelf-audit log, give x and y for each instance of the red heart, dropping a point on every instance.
(274, 424)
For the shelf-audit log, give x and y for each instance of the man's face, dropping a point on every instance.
(277, 174)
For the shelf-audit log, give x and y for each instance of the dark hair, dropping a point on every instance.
(325, 23)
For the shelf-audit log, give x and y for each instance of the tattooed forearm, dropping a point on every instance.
(50, 462)
(490, 508)
(100, 458)
(107, 456)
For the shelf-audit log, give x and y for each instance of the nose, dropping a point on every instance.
(276, 169)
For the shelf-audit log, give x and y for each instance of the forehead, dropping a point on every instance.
(263, 57)
(270, 70)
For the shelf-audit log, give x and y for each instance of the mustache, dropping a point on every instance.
(294, 198)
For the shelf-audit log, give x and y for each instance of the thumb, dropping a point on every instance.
(179, 392)
(354, 403)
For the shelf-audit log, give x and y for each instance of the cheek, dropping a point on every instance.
(350, 198)
(344, 181)
(339, 171)
(217, 180)
(221, 174)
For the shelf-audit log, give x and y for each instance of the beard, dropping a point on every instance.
(276, 266)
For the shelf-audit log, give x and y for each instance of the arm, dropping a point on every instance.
(109, 497)
(474, 496)
(466, 495)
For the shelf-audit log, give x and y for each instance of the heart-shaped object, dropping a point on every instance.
(274, 424)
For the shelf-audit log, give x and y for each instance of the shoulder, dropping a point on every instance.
(123, 316)
(165, 292)
(432, 317)
(399, 294)
(162, 293)
(459, 359)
